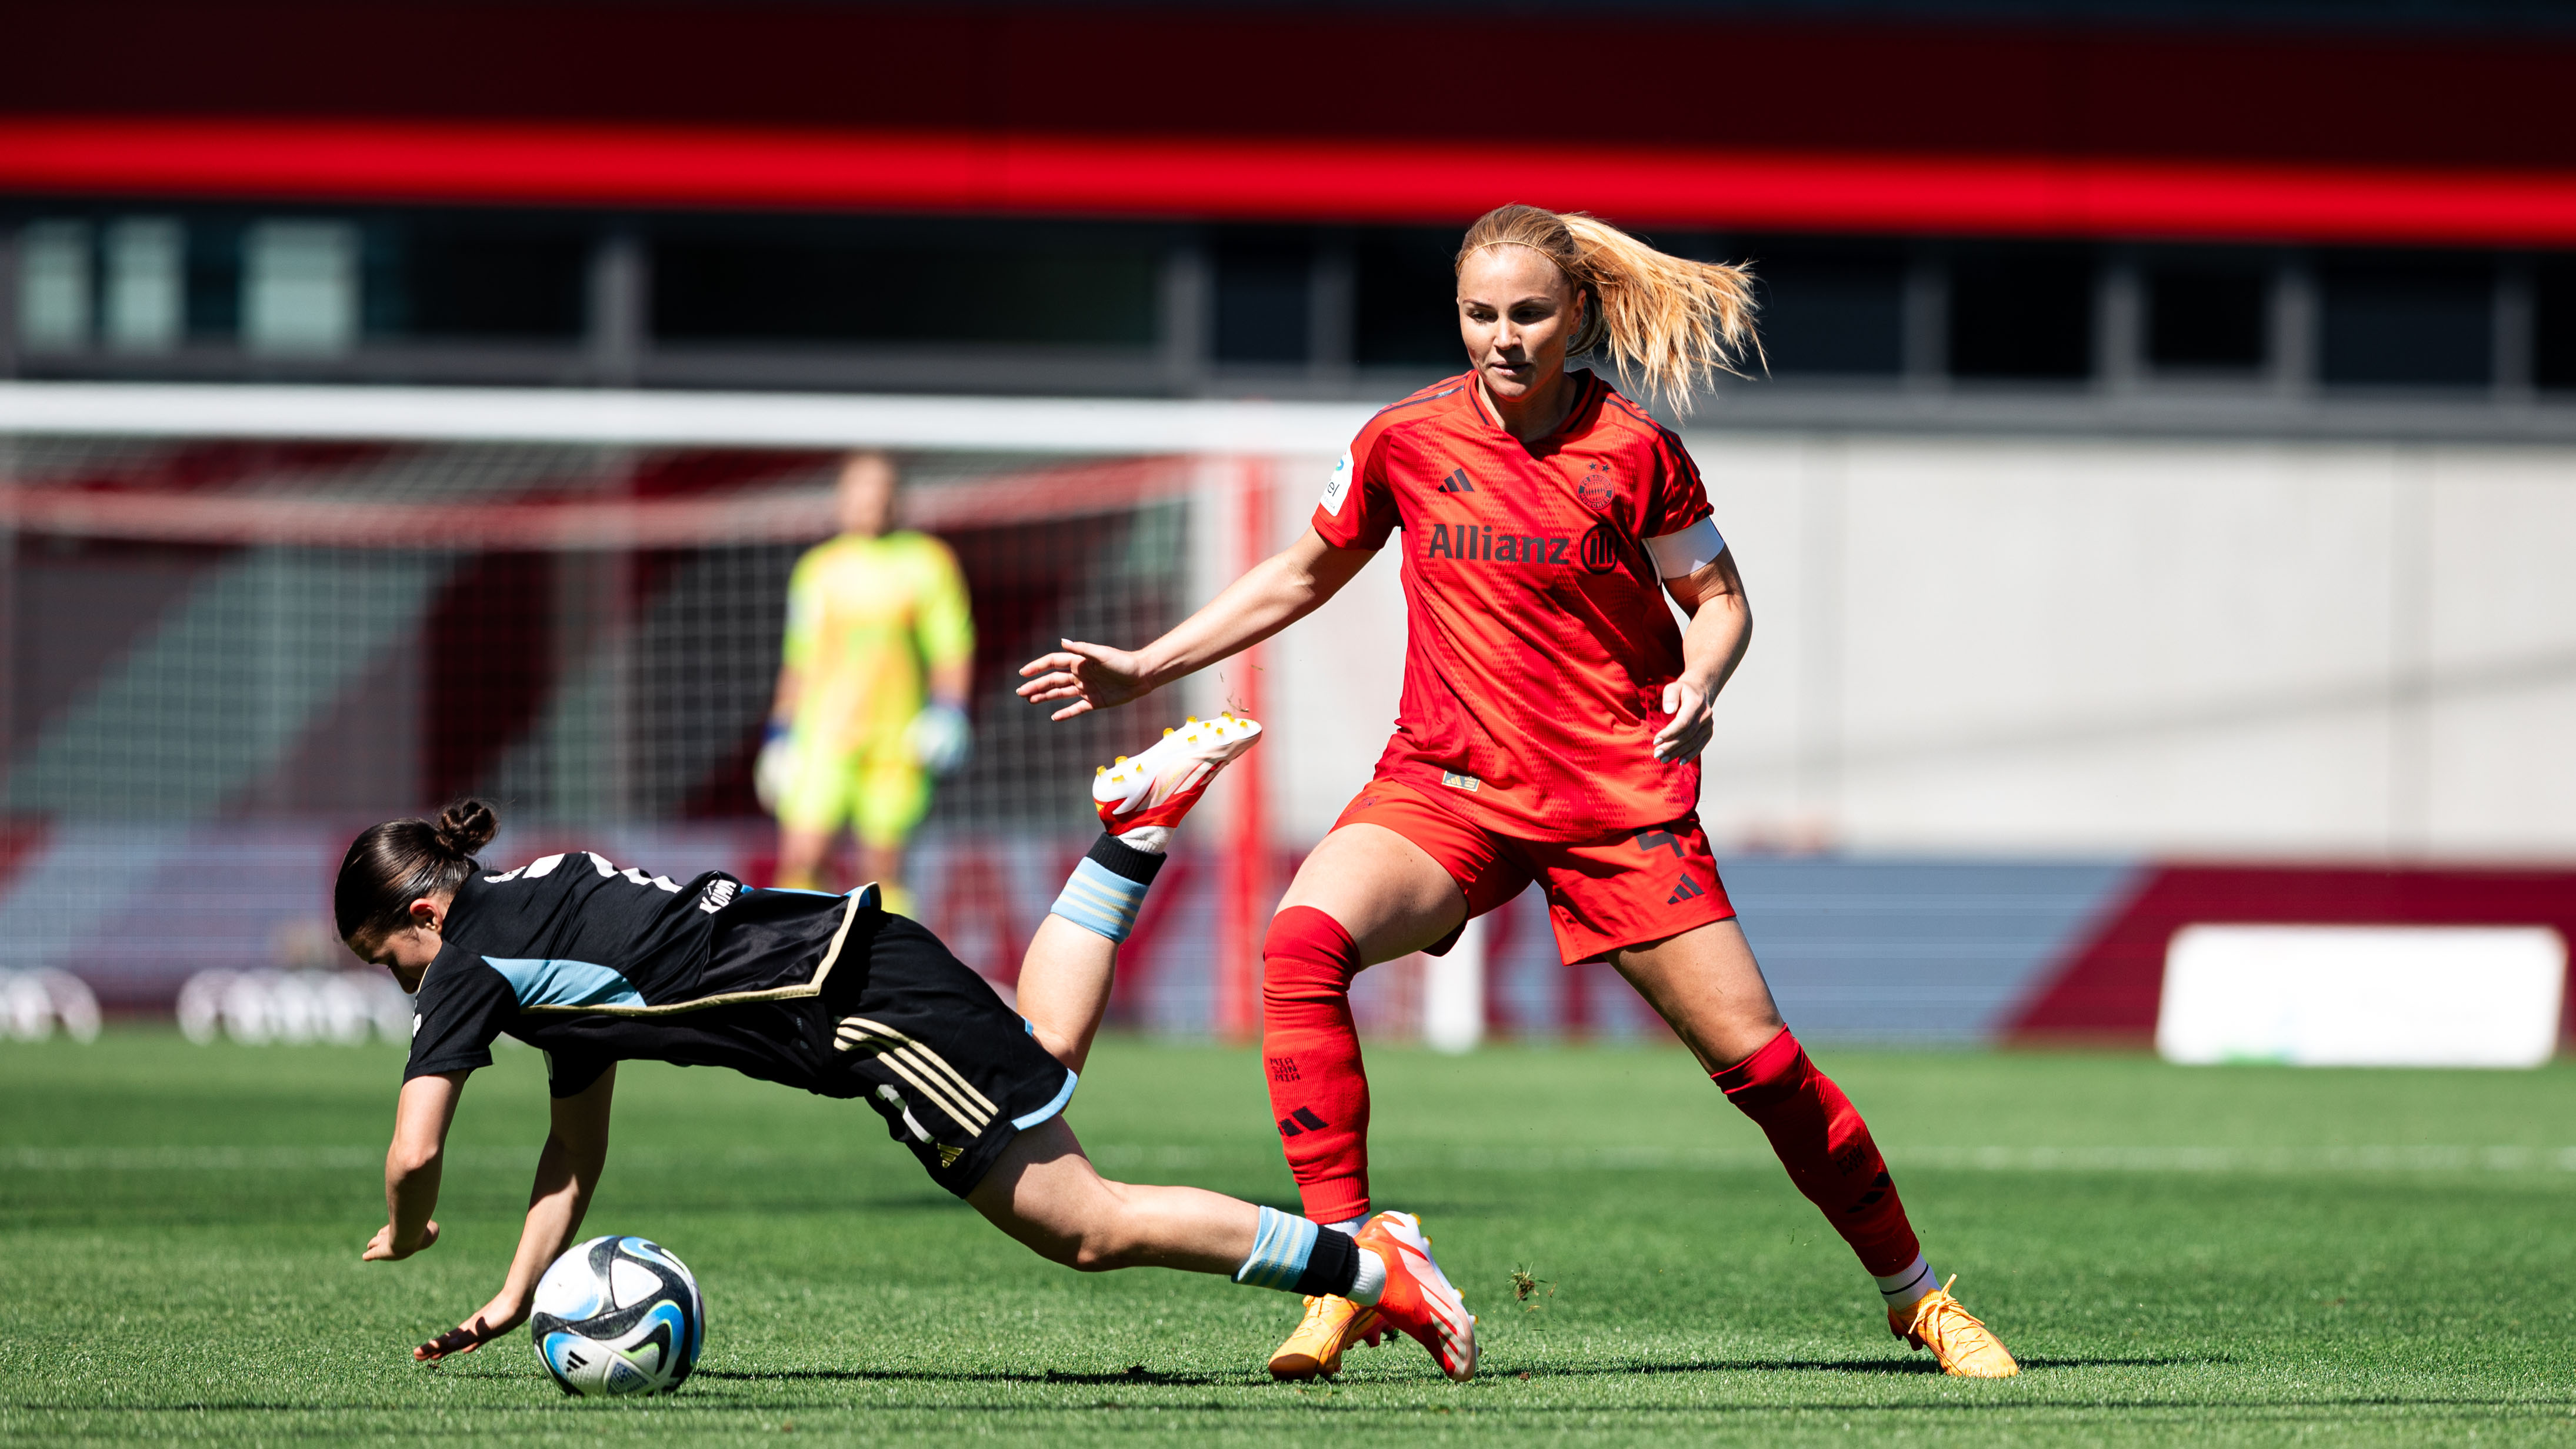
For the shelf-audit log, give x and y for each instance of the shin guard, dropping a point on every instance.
(1826, 1147)
(1311, 1049)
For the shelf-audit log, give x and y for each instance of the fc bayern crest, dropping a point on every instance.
(1596, 488)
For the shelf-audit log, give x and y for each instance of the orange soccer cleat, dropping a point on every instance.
(1159, 786)
(1966, 1348)
(1329, 1326)
(1418, 1297)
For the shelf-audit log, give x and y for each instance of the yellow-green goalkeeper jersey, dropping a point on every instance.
(866, 617)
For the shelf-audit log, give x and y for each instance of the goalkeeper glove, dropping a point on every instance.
(771, 768)
(940, 738)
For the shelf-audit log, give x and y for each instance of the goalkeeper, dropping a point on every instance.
(871, 697)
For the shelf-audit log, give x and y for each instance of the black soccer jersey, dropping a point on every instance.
(593, 964)
(829, 993)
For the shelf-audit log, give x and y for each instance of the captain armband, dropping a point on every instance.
(1678, 555)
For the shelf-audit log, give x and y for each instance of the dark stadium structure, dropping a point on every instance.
(2356, 205)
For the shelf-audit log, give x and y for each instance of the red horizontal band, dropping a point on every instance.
(1395, 181)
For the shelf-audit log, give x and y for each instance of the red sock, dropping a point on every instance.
(1826, 1147)
(1318, 1090)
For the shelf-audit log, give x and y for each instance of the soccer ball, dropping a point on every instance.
(618, 1316)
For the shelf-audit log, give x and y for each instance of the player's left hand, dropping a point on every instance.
(383, 1249)
(1688, 732)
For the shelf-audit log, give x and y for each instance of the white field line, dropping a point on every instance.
(2427, 1158)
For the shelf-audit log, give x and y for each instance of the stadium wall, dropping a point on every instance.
(2092, 646)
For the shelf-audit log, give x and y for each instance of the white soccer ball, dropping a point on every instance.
(617, 1316)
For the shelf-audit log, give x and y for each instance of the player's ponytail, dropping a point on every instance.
(1665, 321)
(389, 866)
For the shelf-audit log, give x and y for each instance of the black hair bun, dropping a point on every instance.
(467, 826)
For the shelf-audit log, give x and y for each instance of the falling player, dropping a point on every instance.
(871, 698)
(598, 965)
(1550, 728)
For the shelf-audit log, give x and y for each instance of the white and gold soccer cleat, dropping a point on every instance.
(1159, 786)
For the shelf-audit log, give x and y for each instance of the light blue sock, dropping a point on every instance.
(1279, 1251)
(1100, 900)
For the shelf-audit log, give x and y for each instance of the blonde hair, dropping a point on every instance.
(1671, 323)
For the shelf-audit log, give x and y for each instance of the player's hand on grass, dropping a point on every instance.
(468, 1336)
(383, 1249)
(1688, 732)
(1092, 676)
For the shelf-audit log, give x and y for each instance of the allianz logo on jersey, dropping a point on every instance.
(1597, 550)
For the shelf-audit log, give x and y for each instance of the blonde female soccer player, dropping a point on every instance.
(596, 965)
(1550, 729)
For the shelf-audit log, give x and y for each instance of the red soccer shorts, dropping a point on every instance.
(1619, 890)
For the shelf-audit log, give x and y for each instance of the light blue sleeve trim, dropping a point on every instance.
(1024, 1123)
(543, 981)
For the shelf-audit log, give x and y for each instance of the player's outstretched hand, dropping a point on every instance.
(1089, 676)
(382, 1249)
(496, 1318)
(1690, 728)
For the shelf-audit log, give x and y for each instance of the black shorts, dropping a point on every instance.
(919, 1036)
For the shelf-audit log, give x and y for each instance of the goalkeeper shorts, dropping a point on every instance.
(877, 789)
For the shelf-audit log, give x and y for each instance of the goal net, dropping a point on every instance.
(226, 655)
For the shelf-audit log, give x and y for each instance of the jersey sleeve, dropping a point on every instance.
(943, 617)
(1678, 498)
(1358, 508)
(462, 1005)
(804, 612)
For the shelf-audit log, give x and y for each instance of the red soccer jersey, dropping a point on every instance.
(1538, 642)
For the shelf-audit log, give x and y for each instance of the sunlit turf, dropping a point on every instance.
(2241, 1255)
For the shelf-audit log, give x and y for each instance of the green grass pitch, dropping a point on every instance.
(2239, 1255)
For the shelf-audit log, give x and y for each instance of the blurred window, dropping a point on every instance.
(54, 285)
(145, 299)
(300, 287)
(1830, 309)
(213, 279)
(2021, 312)
(1406, 287)
(2207, 317)
(2553, 323)
(2424, 321)
(1263, 282)
(469, 278)
(999, 283)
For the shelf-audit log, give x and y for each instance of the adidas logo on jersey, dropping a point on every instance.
(1686, 890)
(1457, 482)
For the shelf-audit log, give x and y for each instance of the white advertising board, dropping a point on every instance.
(2362, 996)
